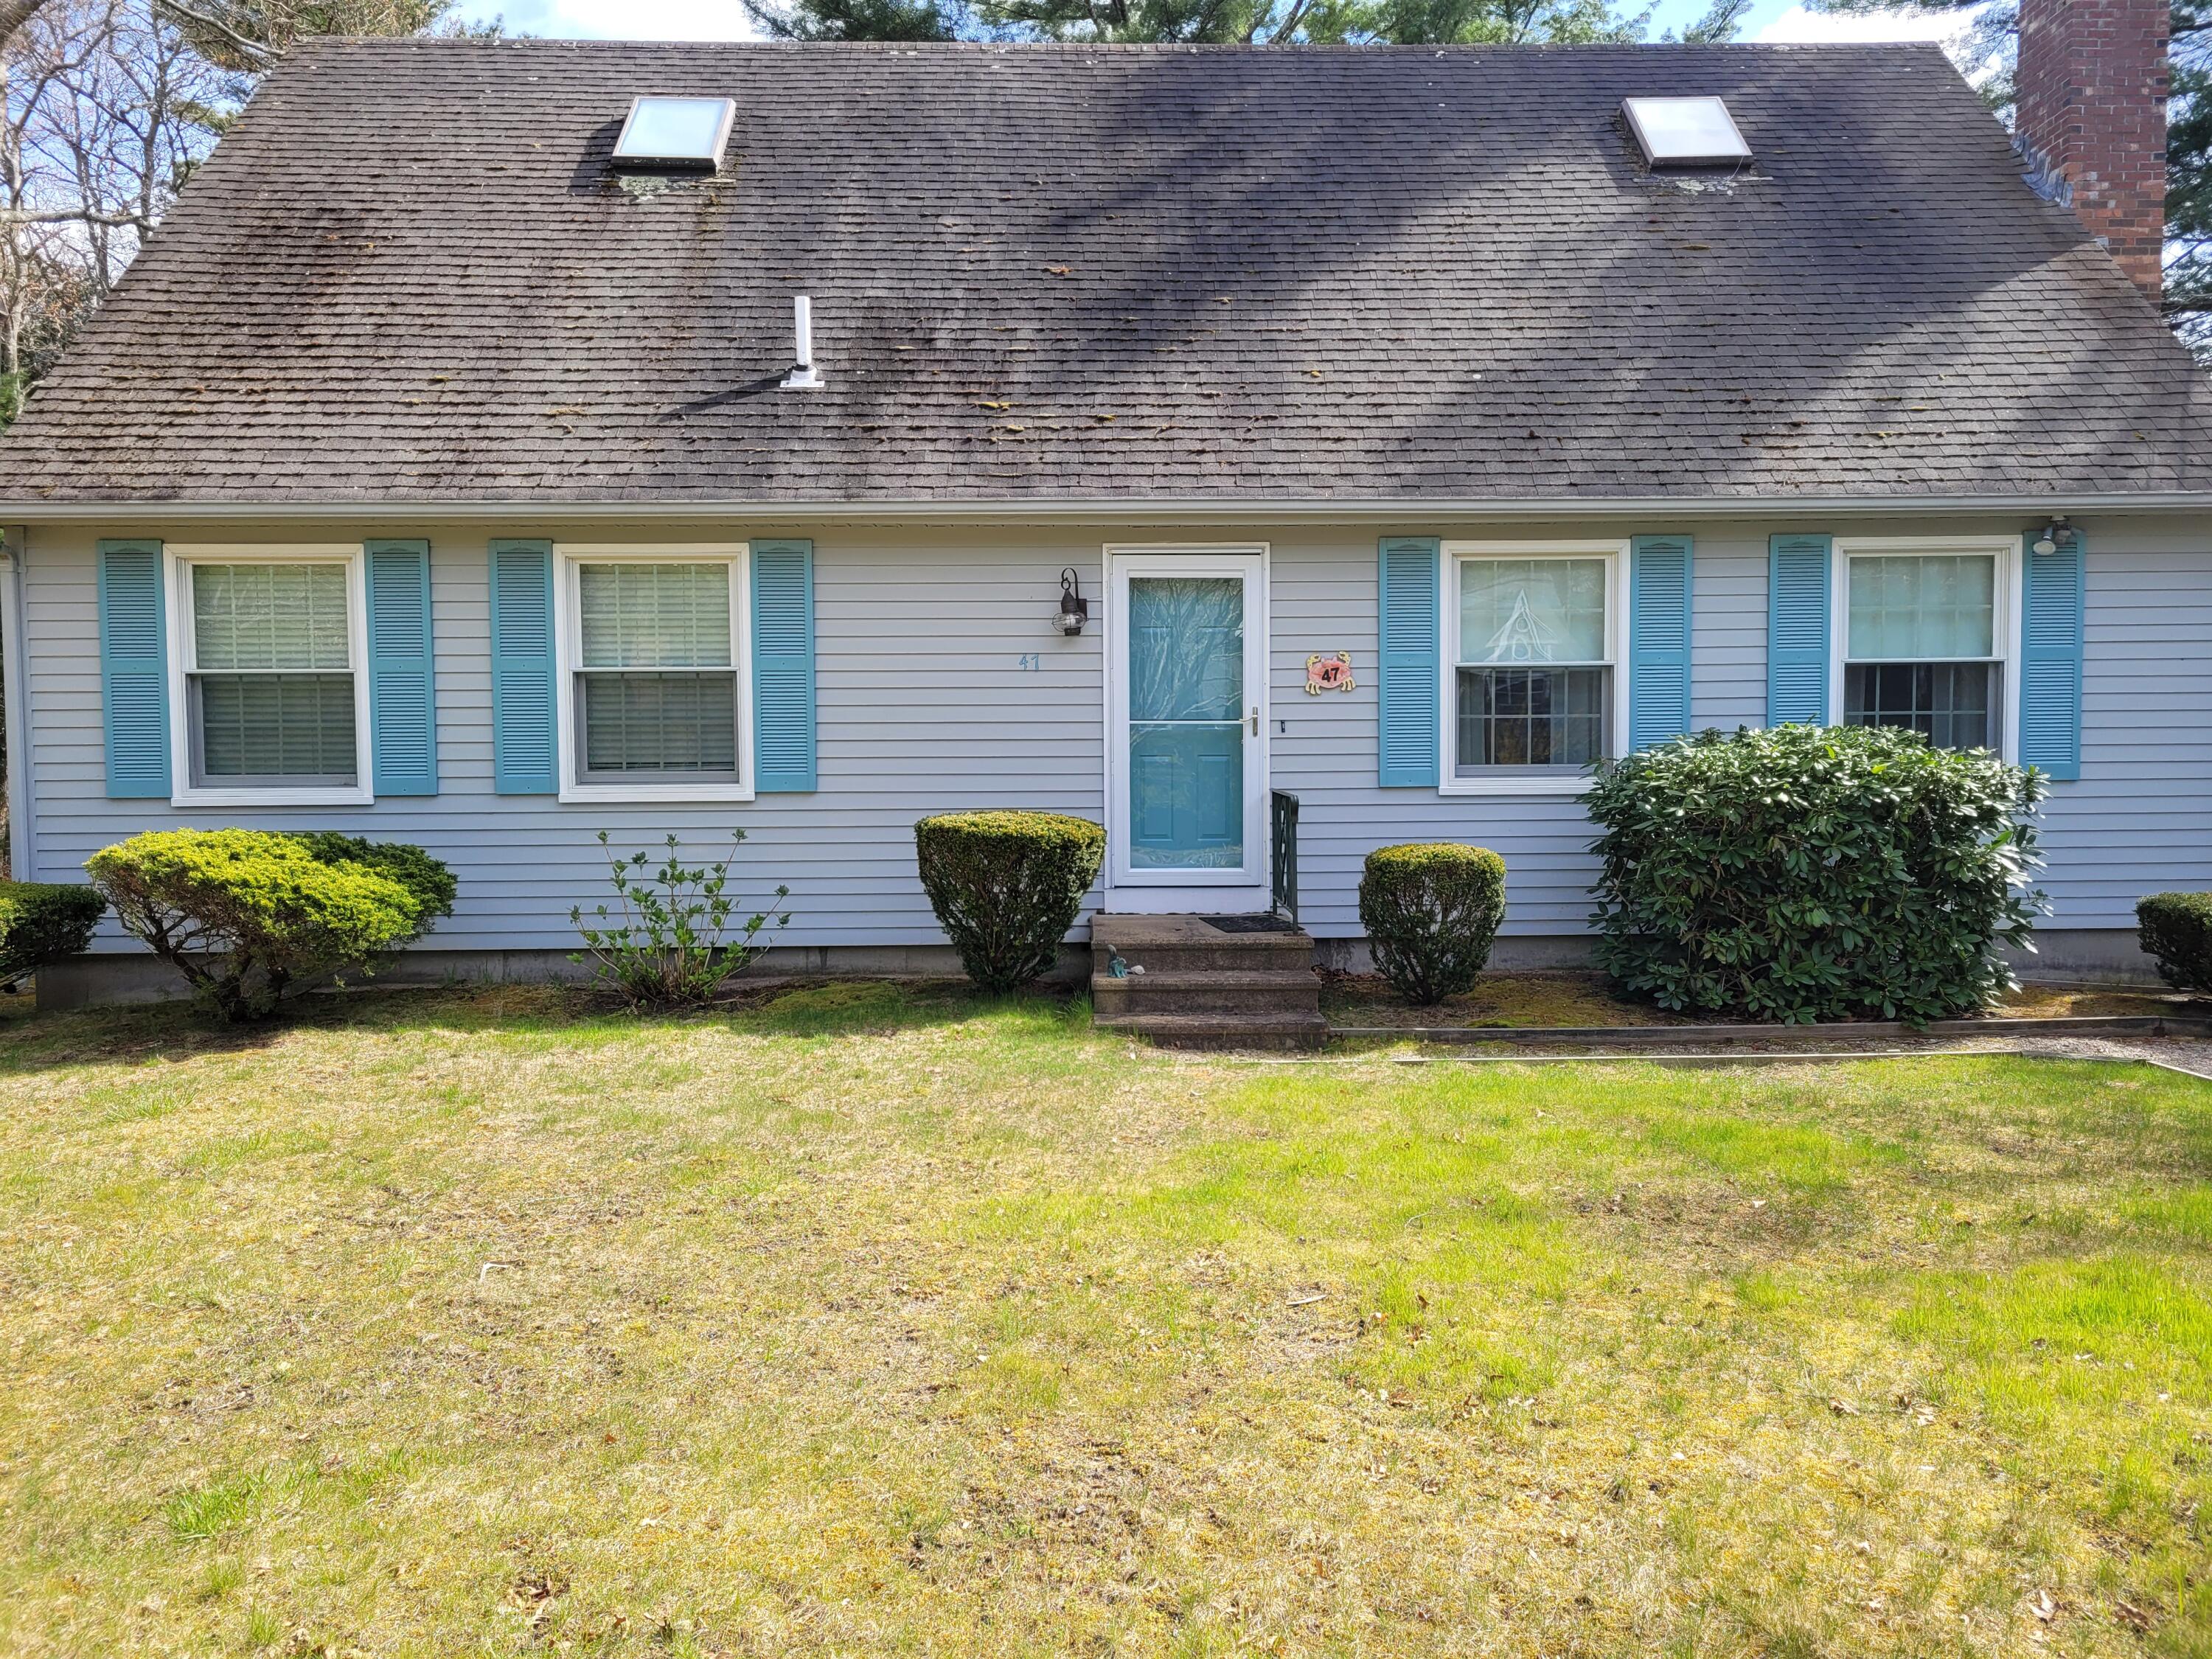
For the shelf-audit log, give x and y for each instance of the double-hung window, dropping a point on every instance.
(1925, 638)
(653, 658)
(1534, 638)
(271, 702)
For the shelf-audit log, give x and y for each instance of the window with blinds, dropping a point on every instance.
(655, 681)
(270, 675)
(1921, 648)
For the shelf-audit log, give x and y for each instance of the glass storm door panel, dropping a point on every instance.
(1185, 732)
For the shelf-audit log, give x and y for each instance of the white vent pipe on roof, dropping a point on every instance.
(802, 377)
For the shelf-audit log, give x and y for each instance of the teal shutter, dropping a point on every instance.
(2052, 595)
(1407, 696)
(1797, 599)
(522, 690)
(134, 670)
(783, 665)
(1658, 639)
(403, 722)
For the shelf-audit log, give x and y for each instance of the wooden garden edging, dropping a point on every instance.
(1660, 1036)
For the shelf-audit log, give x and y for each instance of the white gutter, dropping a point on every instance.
(14, 683)
(1393, 510)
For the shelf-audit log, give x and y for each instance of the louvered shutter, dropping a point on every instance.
(134, 670)
(1797, 599)
(402, 708)
(522, 689)
(1658, 639)
(783, 665)
(2052, 594)
(1407, 693)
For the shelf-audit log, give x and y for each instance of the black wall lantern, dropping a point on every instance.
(1074, 608)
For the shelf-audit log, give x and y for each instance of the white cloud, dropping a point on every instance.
(1800, 24)
(623, 20)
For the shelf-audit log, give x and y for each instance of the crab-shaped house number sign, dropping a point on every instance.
(1331, 673)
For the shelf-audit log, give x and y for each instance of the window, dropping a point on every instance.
(1685, 131)
(1532, 634)
(653, 654)
(271, 708)
(1923, 646)
(676, 132)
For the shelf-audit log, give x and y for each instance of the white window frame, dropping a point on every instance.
(179, 562)
(1562, 780)
(569, 557)
(2004, 624)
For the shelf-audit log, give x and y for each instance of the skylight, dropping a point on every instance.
(676, 132)
(1685, 131)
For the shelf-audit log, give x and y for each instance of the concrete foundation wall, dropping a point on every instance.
(2099, 956)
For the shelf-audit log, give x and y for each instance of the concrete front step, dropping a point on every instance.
(1186, 983)
(1284, 1031)
(1227, 991)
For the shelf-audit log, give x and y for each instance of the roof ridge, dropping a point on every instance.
(1129, 48)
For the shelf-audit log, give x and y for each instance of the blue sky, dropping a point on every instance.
(725, 19)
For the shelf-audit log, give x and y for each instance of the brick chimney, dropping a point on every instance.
(2091, 121)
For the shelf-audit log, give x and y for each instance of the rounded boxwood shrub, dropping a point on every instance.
(248, 916)
(42, 923)
(1007, 886)
(1430, 911)
(2176, 928)
(1809, 873)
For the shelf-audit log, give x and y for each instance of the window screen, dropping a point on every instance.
(271, 680)
(1534, 685)
(657, 686)
(1921, 644)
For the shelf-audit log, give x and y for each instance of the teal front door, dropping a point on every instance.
(1185, 659)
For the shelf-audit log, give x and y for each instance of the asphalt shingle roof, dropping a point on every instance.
(1076, 273)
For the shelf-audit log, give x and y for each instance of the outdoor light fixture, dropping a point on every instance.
(1074, 608)
(2057, 534)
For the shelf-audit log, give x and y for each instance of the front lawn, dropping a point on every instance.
(874, 1320)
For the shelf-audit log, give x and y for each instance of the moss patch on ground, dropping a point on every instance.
(863, 1319)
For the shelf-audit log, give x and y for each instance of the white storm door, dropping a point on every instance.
(1186, 652)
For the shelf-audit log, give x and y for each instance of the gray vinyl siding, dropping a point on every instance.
(923, 706)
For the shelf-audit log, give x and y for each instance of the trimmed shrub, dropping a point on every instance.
(667, 943)
(2176, 928)
(1430, 911)
(1808, 873)
(42, 923)
(249, 916)
(430, 881)
(1007, 887)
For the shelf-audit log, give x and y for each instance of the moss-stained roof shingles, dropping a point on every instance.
(1076, 273)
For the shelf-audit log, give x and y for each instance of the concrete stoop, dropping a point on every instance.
(1190, 982)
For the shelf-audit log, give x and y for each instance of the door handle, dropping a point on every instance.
(1255, 722)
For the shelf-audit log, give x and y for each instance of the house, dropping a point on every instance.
(1415, 426)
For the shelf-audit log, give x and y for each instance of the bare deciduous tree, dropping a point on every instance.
(108, 109)
(108, 106)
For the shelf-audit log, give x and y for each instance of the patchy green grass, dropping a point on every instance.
(871, 1319)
